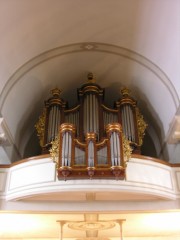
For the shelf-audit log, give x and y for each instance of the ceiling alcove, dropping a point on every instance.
(114, 68)
(32, 148)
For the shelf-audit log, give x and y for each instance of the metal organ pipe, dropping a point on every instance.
(73, 118)
(115, 117)
(115, 149)
(56, 121)
(86, 110)
(97, 116)
(124, 121)
(112, 149)
(102, 155)
(59, 119)
(91, 116)
(94, 115)
(86, 127)
(66, 149)
(90, 154)
(53, 123)
(67, 132)
(51, 137)
(68, 118)
(118, 149)
(84, 115)
(63, 150)
(79, 156)
(69, 149)
(109, 117)
(130, 130)
(131, 124)
(49, 126)
(128, 123)
(54, 128)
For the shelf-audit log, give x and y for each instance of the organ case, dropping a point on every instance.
(91, 139)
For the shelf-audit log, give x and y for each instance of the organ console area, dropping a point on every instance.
(91, 140)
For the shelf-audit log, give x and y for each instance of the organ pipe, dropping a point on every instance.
(90, 141)
(91, 114)
(90, 154)
(102, 156)
(114, 132)
(67, 132)
(79, 156)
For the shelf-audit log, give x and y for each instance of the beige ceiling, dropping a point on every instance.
(46, 44)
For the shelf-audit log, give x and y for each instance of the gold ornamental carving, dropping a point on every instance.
(90, 77)
(127, 150)
(54, 151)
(113, 127)
(56, 92)
(125, 92)
(90, 136)
(93, 225)
(40, 127)
(141, 126)
(67, 127)
(91, 86)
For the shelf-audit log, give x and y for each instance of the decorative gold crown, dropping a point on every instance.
(56, 92)
(125, 92)
(90, 78)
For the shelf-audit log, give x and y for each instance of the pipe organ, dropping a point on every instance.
(91, 140)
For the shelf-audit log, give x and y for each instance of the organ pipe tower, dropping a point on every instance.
(91, 140)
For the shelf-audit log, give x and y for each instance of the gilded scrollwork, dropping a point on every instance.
(141, 126)
(127, 150)
(54, 151)
(40, 127)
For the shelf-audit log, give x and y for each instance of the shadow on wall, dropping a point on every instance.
(32, 148)
(148, 148)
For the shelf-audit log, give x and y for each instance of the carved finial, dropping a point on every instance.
(56, 92)
(125, 92)
(90, 78)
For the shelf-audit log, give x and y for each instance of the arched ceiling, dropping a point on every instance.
(46, 44)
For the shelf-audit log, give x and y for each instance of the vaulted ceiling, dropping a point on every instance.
(46, 44)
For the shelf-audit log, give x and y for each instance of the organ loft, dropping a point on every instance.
(91, 140)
